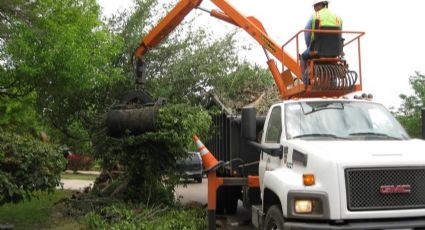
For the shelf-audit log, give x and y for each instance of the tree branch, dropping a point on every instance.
(67, 133)
(5, 92)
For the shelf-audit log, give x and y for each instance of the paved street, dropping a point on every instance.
(77, 185)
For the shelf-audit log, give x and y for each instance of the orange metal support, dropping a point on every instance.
(254, 28)
(250, 24)
(253, 181)
(277, 77)
(222, 16)
(212, 199)
(360, 64)
(307, 91)
(215, 182)
(166, 25)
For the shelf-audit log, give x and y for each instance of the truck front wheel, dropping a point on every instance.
(274, 219)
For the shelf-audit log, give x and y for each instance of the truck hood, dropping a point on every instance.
(363, 153)
(329, 160)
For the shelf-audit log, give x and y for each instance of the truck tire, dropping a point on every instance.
(274, 219)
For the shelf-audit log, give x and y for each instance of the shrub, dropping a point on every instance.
(150, 158)
(152, 218)
(26, 166)
(79, 162)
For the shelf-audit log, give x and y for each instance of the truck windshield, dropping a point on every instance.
(341, 120)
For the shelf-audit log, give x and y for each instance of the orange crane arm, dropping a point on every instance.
(253, 27)
(166, 26)
(229, 14)
(250, 24)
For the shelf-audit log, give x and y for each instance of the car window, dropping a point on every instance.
(274, 127)
(341, 119)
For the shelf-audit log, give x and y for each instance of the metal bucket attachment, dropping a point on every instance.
(333, 77)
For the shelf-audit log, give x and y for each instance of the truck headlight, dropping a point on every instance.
(308, 205)
(303, 206)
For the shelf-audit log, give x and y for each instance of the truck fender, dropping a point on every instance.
(276, 184)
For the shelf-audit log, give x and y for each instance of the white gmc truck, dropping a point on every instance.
(338, 164)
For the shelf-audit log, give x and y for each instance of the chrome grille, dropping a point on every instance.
(364, 188)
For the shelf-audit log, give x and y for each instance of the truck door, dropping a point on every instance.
(271, 139)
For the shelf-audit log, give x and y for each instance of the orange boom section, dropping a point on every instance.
(326, 75)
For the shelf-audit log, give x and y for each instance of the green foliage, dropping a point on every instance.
(33, 214)
(409, 114)
(246, 84)
(78, 176)
(54, 74)
(27, 166)
(61, 68)
(193, 69)
(150, 158)
(182, 122)
(19, 115)
(184, 69)
(62, 58)
(127, 217)
(189, 64)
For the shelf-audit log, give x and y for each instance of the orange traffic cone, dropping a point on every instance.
(208, 160)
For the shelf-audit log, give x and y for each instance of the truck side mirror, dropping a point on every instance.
(276, 152)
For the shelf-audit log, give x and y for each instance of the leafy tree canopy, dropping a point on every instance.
(185, 68)
(57, 60)
(62, 68)
(55, 70)
(409, 114)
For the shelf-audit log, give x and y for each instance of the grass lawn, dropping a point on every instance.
(78, 176)
(37, 213)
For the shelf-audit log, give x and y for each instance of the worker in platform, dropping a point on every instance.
(321, 17)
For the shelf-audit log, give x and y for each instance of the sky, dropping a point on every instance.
(392, 49)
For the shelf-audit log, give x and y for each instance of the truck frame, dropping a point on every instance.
(361, 180)
(311, 162)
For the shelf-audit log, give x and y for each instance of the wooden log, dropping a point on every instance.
(131, 121)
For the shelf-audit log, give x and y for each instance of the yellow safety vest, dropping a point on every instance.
(326, 18)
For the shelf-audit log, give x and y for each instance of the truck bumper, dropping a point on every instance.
(405, 224)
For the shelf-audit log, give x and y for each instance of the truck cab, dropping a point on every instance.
(343, 164)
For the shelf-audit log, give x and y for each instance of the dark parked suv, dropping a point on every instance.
(191, 166)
